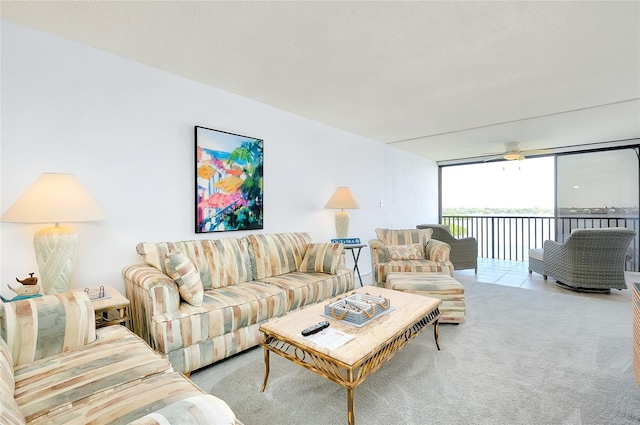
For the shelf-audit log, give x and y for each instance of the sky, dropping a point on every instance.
(501, 184)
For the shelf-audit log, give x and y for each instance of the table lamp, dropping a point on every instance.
(55, 198)
(342, 199)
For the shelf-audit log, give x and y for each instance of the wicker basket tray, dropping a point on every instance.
(357, 308)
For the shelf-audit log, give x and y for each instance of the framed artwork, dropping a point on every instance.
(229, 174)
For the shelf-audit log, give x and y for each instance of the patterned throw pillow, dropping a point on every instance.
(322, 258)
(187, 277)
(406, 252)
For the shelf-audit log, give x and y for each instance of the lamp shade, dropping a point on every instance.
(342, 199)
(54, 198)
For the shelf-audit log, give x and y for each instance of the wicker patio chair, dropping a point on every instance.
(590, 260)
(464, 251)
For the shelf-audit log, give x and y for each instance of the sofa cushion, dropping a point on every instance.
(193, 410)
(413, 251)
(277, 254)
(134, 400)
(322, 258)
(223, 310)
(221, 262)
(404, 236)
(32, 327)
(186, 276)
(9, 411)
(62, 382)
(304, 288)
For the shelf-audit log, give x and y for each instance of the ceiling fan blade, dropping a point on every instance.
(535, 151)
(493, 158)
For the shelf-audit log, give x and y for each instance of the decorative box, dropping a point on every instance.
(357, 308)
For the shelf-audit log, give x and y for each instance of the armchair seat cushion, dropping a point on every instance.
(413, 266)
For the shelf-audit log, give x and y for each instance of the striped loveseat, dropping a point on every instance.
(244, 283)
(408, 250)
(57, 368)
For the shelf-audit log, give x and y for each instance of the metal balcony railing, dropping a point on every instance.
(510, 237)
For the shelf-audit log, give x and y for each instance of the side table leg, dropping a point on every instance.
(356, 257)
(435, 333)
(266, 369)
(351, 420)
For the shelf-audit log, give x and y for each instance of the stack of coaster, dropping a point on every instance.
(433, 285)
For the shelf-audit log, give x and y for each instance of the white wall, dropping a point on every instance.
(126, 131)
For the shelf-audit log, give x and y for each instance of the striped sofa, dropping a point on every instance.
(408, 250)
(56, 368)
(245, 282)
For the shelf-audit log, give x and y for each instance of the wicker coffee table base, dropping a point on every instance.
(349, 376)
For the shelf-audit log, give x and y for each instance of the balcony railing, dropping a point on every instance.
(511, 237)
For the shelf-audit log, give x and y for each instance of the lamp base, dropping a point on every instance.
(56, 249)
(342, 224)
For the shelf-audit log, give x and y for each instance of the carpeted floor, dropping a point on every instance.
(522, 357)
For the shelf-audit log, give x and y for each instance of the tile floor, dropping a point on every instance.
(516, 273)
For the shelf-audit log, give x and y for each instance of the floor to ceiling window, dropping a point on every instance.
(512, 206)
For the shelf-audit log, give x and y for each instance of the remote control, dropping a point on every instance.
(315, 328)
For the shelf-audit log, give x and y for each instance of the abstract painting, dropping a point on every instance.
(229, 174)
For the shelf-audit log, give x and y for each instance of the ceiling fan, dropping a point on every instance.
(513, 151)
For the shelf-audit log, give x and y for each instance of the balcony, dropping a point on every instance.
(510, 237)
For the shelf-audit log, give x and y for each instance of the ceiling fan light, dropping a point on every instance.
(511, 156)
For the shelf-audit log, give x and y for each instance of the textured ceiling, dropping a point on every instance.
(445, 80)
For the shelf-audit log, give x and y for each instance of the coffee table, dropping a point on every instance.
(374, 343)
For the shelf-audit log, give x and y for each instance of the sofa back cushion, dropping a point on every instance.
(221, 262)
(36, 328)
(404, 236)
(277, 254)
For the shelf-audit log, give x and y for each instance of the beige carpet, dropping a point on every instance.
(523, 357)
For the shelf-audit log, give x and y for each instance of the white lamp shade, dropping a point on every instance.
(54, 198)
(342, 199)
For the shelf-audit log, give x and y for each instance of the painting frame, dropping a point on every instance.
(229, 175)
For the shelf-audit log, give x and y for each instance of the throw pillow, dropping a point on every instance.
(322, 258)
(187, 277)
(406, 252)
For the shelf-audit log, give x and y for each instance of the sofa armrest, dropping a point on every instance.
(150, 292)
(437, 250)
(37, 328)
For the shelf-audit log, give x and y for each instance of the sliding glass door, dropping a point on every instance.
(598, 189)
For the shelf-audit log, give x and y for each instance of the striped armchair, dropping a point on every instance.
(590, 260)
(407, 250)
